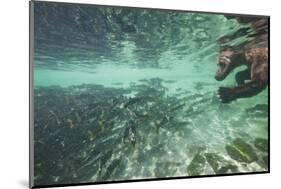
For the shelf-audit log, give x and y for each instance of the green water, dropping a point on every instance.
(91, 62)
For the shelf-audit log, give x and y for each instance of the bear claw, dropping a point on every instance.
(225, 94)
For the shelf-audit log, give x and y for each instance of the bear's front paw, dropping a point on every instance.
(226, 95)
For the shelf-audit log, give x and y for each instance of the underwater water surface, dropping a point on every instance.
(123, 93)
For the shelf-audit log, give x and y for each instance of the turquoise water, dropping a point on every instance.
(125, 94)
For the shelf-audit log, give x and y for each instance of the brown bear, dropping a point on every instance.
(253, 54)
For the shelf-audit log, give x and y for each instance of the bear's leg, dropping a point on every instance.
(250, 89)
(241, 76)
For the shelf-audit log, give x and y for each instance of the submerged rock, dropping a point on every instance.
(219, 164)
(241, 151)
(197, 165)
